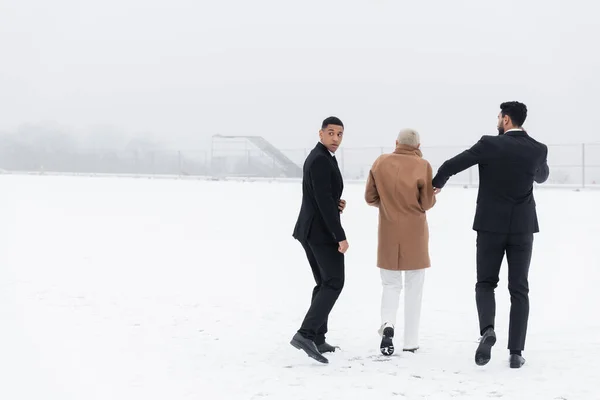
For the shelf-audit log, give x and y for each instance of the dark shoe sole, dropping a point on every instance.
(483, 355)
(387, 344)
(318, 357)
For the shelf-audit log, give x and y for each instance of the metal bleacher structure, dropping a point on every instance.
(250, 156)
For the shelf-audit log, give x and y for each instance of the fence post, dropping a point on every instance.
(211, 167)
(179, 163)
(583, 165)
(247, 154)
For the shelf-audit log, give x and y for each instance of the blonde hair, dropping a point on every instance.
(409, 137)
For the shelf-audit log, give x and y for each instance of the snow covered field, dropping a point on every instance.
(116, 288)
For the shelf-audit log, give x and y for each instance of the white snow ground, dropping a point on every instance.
(116, 288)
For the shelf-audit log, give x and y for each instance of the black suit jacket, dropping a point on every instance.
(322, 186)
(508, 166)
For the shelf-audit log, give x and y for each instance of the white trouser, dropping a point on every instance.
(413, 295)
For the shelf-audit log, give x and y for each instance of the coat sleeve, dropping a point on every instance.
(426, 195)
(461, 162)
(371, 193)
(543, 171)
(320, 173)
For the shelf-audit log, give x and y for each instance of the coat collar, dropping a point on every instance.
(520, 132)
(324, 149)
(408, 150)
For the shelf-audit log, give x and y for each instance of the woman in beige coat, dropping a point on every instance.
(399, 184)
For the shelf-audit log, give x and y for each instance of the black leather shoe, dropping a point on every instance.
(484, 350)
(309, 347)
(516, 361)
(326, 348)
(411, 350)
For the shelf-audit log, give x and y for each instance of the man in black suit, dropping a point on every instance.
(320, 232)
(505, 221)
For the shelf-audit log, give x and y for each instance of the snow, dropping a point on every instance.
(119, 288)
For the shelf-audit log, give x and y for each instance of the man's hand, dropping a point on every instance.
(342, 205)
(436, 190)
(343, 246)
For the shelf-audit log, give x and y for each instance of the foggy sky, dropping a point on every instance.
(182, 70)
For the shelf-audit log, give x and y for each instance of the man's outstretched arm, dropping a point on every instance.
(459, 163)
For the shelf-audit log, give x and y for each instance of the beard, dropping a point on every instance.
(500, 130)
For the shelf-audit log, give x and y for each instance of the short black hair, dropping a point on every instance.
(516, 111)
(331, 121)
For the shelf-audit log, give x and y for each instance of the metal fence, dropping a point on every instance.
(572, 164)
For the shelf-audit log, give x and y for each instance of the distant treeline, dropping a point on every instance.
(43, 148)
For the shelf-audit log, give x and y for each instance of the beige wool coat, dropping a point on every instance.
(399, 184)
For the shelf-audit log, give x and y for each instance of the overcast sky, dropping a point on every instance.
(183, 70)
